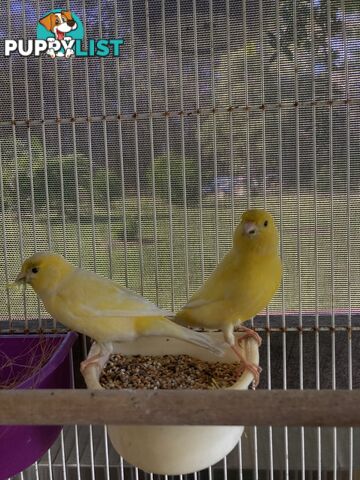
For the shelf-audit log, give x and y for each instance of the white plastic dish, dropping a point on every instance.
(175, 450)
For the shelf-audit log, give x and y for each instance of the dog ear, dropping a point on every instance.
(48, 22)
(67, 14)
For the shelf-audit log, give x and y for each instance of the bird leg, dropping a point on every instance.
(248, 332)
(95, 359)
(98, 358)
(254, 369)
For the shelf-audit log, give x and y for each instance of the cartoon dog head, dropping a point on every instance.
(59, 23)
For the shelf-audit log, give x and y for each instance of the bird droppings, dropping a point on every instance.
(167, 372)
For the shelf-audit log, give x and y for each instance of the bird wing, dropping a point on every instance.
(237, 290)
(93, 295)
(217, 288)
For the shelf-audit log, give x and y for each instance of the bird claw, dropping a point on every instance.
(248, 332)
(255, 370)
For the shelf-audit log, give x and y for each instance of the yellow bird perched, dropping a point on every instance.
(100, 308)
(242, 284)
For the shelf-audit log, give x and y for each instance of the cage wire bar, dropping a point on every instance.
(211, 108)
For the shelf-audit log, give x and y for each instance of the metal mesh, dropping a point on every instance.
(139, 167)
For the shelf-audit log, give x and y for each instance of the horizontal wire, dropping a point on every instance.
(186, 113)
(299, 329)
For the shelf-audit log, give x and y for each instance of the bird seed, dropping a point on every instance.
(167, 372)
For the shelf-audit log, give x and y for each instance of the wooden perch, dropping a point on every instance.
(186, 407)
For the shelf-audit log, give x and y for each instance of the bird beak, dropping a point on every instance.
(21, 278)
(250, 228)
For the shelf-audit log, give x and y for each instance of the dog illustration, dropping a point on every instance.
(59, 24)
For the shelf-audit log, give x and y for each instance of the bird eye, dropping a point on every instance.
(34, 270)
(265, 223)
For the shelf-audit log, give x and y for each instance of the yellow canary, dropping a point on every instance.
(98, 307)
(242, 284)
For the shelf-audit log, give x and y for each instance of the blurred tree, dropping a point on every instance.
(100, 185)
(16, 169)
(307, 39)
(73, 179)
(175, 169)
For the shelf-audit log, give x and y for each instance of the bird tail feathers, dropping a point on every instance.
(205, 341)
(198, 338)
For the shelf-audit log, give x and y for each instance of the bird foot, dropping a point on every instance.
(95, 359)
(245, 365)
(98, 355)
(248, 332)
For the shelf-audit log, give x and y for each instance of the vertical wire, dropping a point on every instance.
(316, 269)
(264, 167)
(36, 468)
(263, 116)
(167, 136)
(333, 339)
(43, 136)
(76, 176)
(213, 101)
(92, 212)
(17, 186)
(106, 149)
(198, 130)
(44, 151)
(77, 453)
(27, 108)
(248, 173)
(230, 98)
(133, 78)
(4, 240)
(246, 94)
(91, 435)
(122, 473)
(106, 448)
(92, 461)
(182, 125)
(90, 150)
(298, 232)
(240, 459)
(225, 465)
(50, 464)
(63, 458)
(121, 151)
(152, 153)
(348, 230)
(59, 135)
(283, 317)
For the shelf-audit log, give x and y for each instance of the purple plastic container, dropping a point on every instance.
(21, 446)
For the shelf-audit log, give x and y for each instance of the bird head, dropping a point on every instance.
(43, 271)
(257, 231)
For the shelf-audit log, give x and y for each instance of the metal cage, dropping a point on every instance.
(139, 166)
